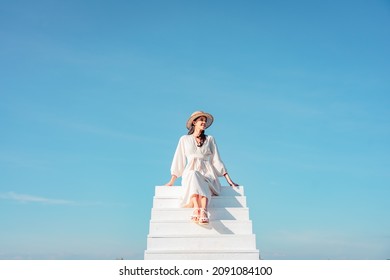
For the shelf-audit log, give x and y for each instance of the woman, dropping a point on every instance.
(197, 160)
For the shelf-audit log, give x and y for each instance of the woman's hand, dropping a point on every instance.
(229, 180)
(172, 181)
(232, 184)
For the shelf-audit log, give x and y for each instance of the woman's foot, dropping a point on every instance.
(204, 217)
(195, 215)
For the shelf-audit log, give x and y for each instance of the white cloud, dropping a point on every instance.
(30, 198)
(26, 198)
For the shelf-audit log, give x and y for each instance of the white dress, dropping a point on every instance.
(199, 167)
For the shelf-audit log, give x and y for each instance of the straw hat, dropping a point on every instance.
(197, 114)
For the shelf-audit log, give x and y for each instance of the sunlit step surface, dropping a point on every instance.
(202, 242)
(188, 227)
(176, 191)
(181, 214)
(202, 255)
(215, 202)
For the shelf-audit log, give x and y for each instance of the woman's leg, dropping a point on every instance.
(195, 200)
(203, 218)
(195, 213)
(203, 202)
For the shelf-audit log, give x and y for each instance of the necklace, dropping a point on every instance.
(199, 141)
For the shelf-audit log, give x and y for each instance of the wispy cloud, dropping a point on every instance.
(25, 198)
(16, 159)
(33, 112)
(93, 128)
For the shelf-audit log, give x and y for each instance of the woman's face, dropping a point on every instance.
(200, 123)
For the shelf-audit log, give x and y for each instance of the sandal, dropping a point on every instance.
(204, 217)
(195, 215)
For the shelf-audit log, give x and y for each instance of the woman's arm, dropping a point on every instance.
(178, 162)
(229, 180)
(172, 181)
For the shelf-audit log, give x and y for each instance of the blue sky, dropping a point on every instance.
(94, 96)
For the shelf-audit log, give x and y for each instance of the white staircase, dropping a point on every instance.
(228, 236)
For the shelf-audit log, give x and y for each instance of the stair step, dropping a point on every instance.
(202, 255)
(202, 242)
(228, 236)
(187, 227)
(215, 202)
(177, 214)
(176, 191)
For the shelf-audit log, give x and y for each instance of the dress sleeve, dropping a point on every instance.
(179, 159)
(219, 166)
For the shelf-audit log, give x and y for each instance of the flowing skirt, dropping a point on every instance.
(195, 183)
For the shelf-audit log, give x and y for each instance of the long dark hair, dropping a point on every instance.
(201, 136)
